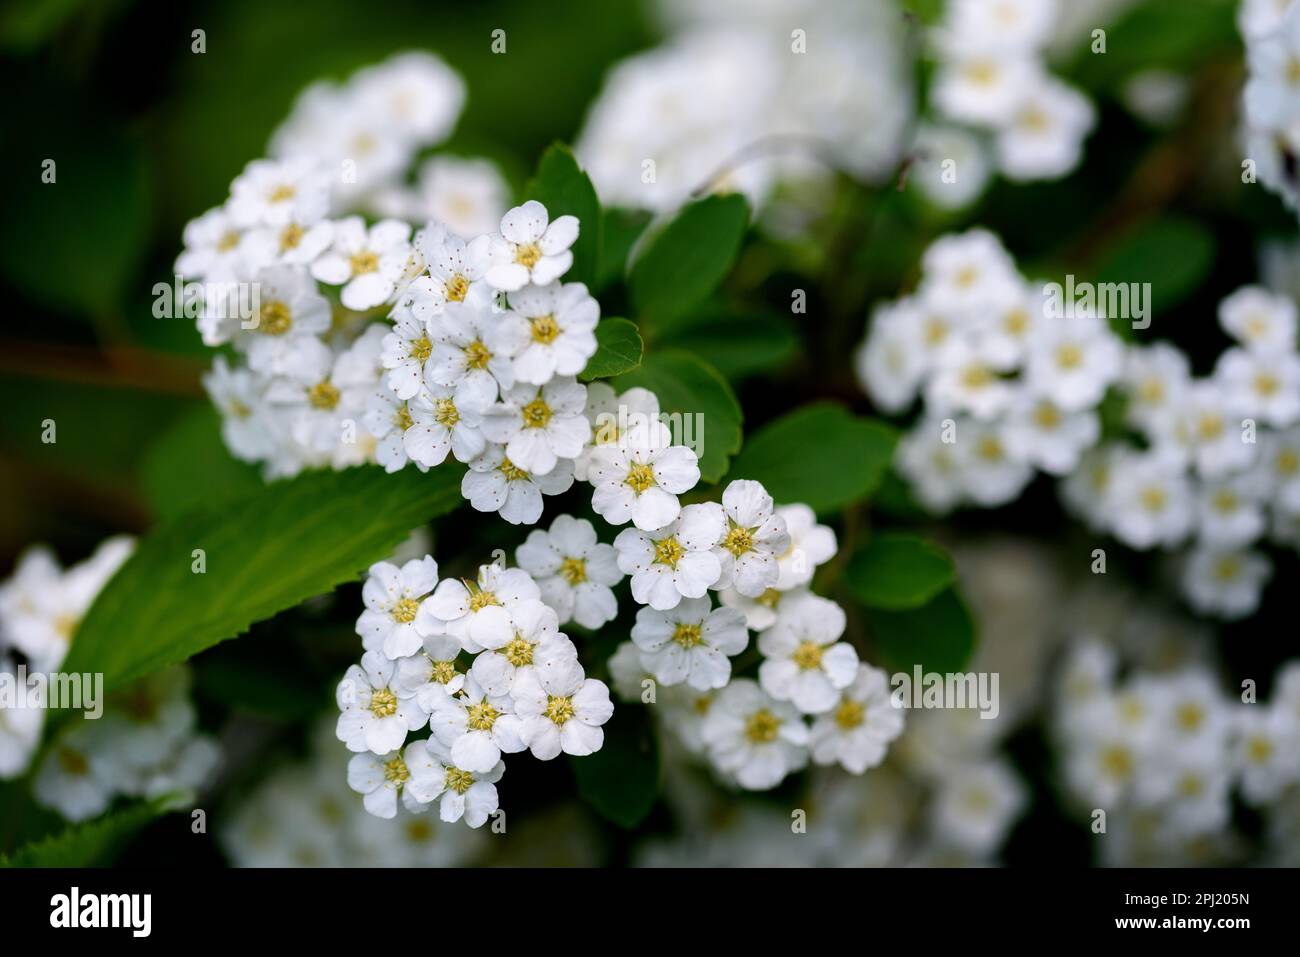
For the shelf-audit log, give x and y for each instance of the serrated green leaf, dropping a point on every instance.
(685, 261)
(621, 780)
(263, 553)
(93, 843)
(896, 570)
(710, 415)
(190, 466)
(821, 455)
(564, 189)
(938, 636)
(618, 350)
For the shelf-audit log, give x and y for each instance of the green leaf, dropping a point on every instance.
(896, 570)
(264, 553)
(618, 350)
(821, 454)
(739, 345)
(620, 229)
(564, 189)
(93, 843)
(190, 466)
(939, 635)
(685, 261)
(710, 417)
(1158, 34)
(1173, 255)
(621, 780)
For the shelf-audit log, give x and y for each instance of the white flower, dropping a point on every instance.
(405, 351)
(1040, 432)
(475, 726)
(1280, 461)
(392, 597)
(810, 545)
(69, 781)
(1149, 500)
(1259, 319)
(314, 402)
(562, 710)
(1225, 583)
(247, 426)
(985, 87)
(495, 484)
(976, 805)
(456, 269)
(990, 474)
(753, 737)
(574, 571)
(388, 419)
(675, 561)
(443, 421)
(531, 248)
(469, 195)
(376, 712)
(540, 425)
(761, 613)
(805, 662)
(1207, 431)
(410, 774)
(290, 312)
(1230, 511)
(932, 466)
(20, 728)
(754, 537)
(477, 613)
(297, 242)
(1044, 138)
(631, 418)
(941, 150)
(213, 248)
(469, 347)
(891, 363)
(367, 263)
(1266, 751)
(1262, 385)
(690, 643)
(535, 642)
(1073, 361)
(857, 731)
(432, 669)
(271, 193)
(552, 330)
(640, 483)
(628, 673)
(967, 380)
(1156, 377)
(468, 794)
(1273, 87)
(965, 271)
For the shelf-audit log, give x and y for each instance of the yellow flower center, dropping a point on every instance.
(1117, 762)
(477, 355)
(573, 571)
(544, 329)
(688, 636)
(274, 318)
(282, 193)
(396, 771)
(1259, 750)
(383, 703)
(769, 598)
(527, 254)
(421, 348)
(228, 241)
(482, 599)
(73, 762)
(536, 414)
(1153, 498)
(518, 651)
(512, 472)
(481, 716)
(808, 655)
(442, 672)
(738, 540)
(849, 714)
(1267, 384)
(558, 709)
(404, 610)
(1047, 416)
(1190, 716)
(1288, 462)
(445, 413)
(402, 418)
(762, 726)
(363, 262)
(323, 395)
(456, 288)
(668, 551)
(1069, 356)
(976, 377)
(458, 780)
(291, 236)
(640, 477)
(1228, 568)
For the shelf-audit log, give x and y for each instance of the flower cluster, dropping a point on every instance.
(524, 690)
(761, 559)
(1271, 29)
(750, 96)
(144, 742)
(1165, 752)
(992, 76)
(1009, 386)
(1006, 389)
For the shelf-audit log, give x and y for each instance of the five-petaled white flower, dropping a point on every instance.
(690, 643)
(377, 712)
(531, 248)
(475, 726)
(392, 596)
(539, 425)
(641, 483)
(367, 263)
(552, 330)
(410, 774)
(754, 737)
(575, 572)
(562, 710)
(805, 662)
(676, 561)
(857, 731)
(753, 538)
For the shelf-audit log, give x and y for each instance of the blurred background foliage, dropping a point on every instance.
(147, 135)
